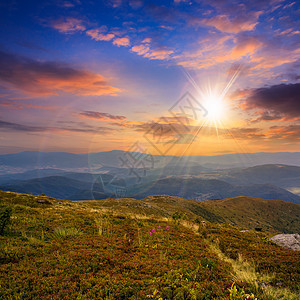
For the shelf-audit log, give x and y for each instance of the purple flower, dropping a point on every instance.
(167, 227)
(139, 229)
(153, 230)
(150, 233)
(158, 226)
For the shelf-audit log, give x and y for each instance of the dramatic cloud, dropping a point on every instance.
(101, 116)
(280, 100)
(68, 25)
(267, 116)
(50, 78)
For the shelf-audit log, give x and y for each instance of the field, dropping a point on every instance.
(160, 248)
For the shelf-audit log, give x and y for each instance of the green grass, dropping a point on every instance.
(66, 232)
(56, 249)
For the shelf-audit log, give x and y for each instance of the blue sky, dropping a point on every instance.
(71, 69)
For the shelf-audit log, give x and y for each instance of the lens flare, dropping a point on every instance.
(214, 101)
(215, 107)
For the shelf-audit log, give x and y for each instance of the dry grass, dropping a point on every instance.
(244, 271)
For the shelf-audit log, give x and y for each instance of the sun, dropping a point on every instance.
(215, 107)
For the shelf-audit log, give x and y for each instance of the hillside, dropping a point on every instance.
(57, 249)
(55, 186)
(207, 189)
(277, 174)
(251, 212)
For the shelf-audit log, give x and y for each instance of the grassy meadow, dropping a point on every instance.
(157, 248)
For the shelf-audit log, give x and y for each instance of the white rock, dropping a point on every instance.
(291, 241)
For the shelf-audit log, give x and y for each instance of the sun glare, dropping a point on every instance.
(215, 107)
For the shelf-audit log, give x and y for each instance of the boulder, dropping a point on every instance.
(290, 241)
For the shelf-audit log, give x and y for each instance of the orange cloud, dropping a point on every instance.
(98, 35)
(245, 46)
(159, 54)
(140, 49)
(147, 40)
(234, 25)
(68, 25)
(210, 51)
(145, 50)
(271, 61)
(51, 78)
(122, 42)
(290, 132)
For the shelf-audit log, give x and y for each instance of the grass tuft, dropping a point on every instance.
(65, 232)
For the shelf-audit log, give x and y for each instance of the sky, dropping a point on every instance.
(163, 77)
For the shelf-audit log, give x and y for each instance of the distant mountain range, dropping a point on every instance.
(85, 186)
(206, 189)
(30, 160)
(98, 176)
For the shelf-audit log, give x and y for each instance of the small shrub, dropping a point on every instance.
(207, 263)
(5, 214)
(240, 294)
(177, 216)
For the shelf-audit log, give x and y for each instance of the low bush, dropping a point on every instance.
(5, 214)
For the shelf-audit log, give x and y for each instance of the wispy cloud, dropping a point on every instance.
(68, 25)
(233, 24)
(10, 126)
(101, 116)
(144, 49)
(100, 34)
(17, 105)
(290, 132)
